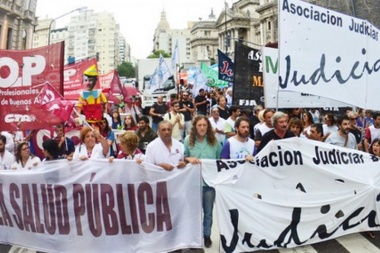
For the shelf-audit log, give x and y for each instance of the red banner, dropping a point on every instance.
(73, 76)
(111, 86)
(22, 74)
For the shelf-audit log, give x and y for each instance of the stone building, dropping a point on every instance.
(17, 23)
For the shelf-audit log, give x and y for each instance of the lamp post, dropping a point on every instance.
(78, 9)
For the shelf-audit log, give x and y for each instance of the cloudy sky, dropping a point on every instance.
(138, 18)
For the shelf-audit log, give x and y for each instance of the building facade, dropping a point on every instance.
(165, 39)
(87, 35)
(17, 23)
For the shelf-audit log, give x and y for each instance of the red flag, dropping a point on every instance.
(52, 101)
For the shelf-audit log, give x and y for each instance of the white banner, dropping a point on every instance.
(275, 98)
(97, 206)
(296, 192)
(328, 54)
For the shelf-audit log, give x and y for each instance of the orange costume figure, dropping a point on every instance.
(91, 101)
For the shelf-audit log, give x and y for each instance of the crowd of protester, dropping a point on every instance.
(190, 127)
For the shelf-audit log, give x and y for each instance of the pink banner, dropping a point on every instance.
(22, 75)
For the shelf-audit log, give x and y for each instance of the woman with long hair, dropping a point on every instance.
(93, 145)
(116, 120)
(25, 160)
(329, 126)
(307, 121)
(201, 143)
(130, 123)
(374, 150)
(108, 134)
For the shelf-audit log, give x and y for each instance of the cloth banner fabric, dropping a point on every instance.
(296, 192)
(328, 54)
(73, 78)
(278, 98)
(248, 83)
(98, 206)
(225, 67)
(22, 73)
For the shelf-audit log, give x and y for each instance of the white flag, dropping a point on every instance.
(153, 83)
(198, 79)
(163, 71)
(175, 58)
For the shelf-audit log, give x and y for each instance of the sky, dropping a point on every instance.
(137, 18)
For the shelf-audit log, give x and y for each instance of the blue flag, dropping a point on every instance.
(226, 67)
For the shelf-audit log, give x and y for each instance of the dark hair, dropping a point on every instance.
(375, 114)
(377, 140)
(174, 102)
(144, 118)
(233, 108)
(341, 118)
(133, 122)
(310, 119)
(19, 149)
(318, 127)
(218, 99)
(51, 146)
(296, 122)
(106, 128)
(266, 111)
(330, 116)
(240, 119)
(3, 138)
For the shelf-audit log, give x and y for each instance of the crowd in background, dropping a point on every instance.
(189, 127)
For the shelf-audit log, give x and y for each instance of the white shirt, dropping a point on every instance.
(329, 129)
(81, 150)
(6, 160)
(176, 131)
(157, 152)
(28, 165)
(9, 145)
(220, 126)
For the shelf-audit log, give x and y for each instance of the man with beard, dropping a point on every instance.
(91, 101)
(343, 137)
(186, 107)
(165, 151)
(177, 119)
(239, 146)
(145, 133)
(279, 131)
(65, 145)
(6, 157)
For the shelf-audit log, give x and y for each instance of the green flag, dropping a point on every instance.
(212, 77)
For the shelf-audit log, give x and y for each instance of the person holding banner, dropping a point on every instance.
(129, 142)
(24, 159)
(343, 137)
(239, 146)
(91, 101)
(279, 131)
(201, 143)
(89, 148)
(165, 151)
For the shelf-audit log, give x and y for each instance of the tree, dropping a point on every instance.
(156, 54)
(127, 69)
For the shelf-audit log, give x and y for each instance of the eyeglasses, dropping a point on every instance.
(23, 149)
(353, 119)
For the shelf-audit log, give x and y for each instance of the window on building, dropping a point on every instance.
(269, 26)
(9, 39)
